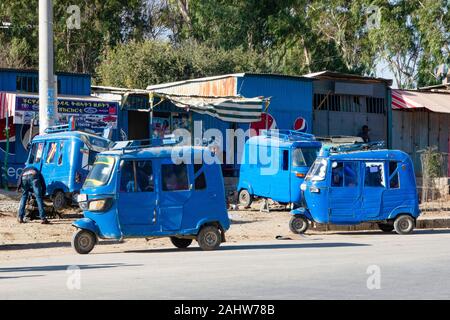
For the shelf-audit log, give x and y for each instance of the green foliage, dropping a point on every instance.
(138, 64)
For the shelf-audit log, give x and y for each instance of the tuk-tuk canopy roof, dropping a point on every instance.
(376, 155)
(156, 152)
(93, 141)
(281, 143)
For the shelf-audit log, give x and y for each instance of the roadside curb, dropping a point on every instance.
(422, 223)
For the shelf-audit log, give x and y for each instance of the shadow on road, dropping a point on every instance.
(19, 277)
(64, 267)
(46, 245)
(393, 233)
(259, 247)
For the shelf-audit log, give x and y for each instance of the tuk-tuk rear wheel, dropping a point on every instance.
(83, 241)
(298, 224)
(59, 200)
(180, 242)
(209, 238)
(245, 198)
(404, 224)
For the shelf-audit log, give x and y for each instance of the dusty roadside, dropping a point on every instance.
(22, 241)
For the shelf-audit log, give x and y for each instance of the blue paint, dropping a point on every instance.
(137, 177)
(354, 187)
(275, 164)
(65, 159)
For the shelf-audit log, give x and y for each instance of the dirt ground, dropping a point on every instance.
(22, 241)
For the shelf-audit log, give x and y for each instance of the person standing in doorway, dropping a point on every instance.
(31, 182)
(365, 133)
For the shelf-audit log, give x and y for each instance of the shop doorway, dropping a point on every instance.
(138, 125)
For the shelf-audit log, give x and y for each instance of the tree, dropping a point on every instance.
(139, 64)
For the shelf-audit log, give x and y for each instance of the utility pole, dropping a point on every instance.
(47, 93)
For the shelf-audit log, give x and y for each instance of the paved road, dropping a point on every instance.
(311, 267)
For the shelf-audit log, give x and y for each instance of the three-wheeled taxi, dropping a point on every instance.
(146, 192)
(274, 165)
(64, 158)
(349, 185)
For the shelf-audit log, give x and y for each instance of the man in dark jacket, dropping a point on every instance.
(31, 181)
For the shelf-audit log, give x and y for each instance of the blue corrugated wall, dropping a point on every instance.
(291, 97)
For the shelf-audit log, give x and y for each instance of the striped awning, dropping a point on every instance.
(7, 104)
(412, 99)
(233, 109)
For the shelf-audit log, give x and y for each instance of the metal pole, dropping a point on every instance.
(47, 95)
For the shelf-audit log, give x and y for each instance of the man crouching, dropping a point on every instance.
(31, 181)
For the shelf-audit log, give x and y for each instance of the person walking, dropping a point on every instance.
(31, 182)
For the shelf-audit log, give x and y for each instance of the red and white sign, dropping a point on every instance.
(300, 124)
(267, 122)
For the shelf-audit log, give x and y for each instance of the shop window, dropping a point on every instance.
(375, 105)
(174, 177)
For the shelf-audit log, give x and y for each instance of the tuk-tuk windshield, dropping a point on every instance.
(317, 171)
(304, 157)
(100, 173)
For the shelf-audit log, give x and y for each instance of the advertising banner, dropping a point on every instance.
(91, 114)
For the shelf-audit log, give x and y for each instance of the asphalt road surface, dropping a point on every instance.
(339, 266)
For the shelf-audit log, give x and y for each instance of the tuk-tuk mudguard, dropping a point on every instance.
(87, 224)
(403, 210)
(224, 225)
(245, 185)
(302, 212)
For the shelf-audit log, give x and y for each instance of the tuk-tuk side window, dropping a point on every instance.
(39, 152)
(394, 178)
(127, 177)
(32, 153)
(174, 177)
(61, 153)
(345, 174)
(51, 153)
(285, 160)
(200, 178)
(144, 176)
(374, 175)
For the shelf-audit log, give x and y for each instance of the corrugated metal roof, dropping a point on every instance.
(346, 76)
(413, 99)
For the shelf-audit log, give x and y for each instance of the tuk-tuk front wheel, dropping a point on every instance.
(245, 198)
(180, 242)
(83, 241)
(209, 238)
(298, 224)
(404, 224)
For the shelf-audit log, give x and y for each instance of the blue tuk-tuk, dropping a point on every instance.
(143, 192)
(274, 165)
(64, 159)
(349, 185)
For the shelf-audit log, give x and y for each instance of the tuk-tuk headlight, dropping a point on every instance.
(100, 205)
(303, 187)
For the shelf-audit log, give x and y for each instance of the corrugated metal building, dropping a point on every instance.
(343, 103)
